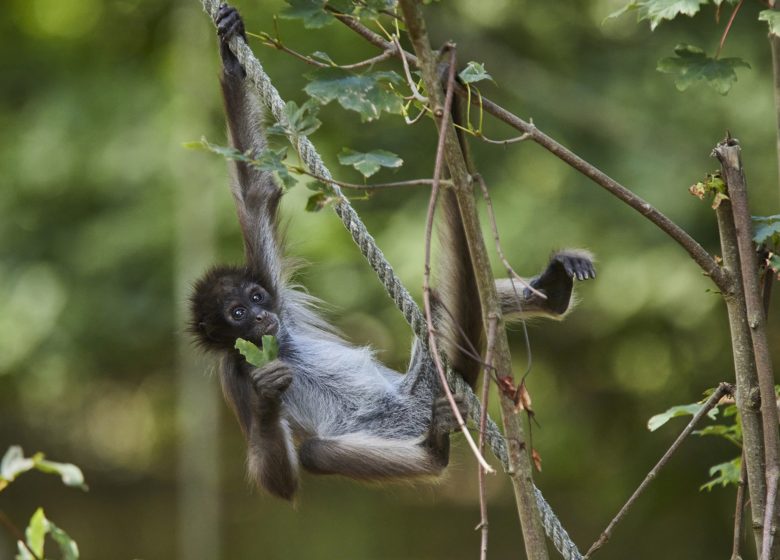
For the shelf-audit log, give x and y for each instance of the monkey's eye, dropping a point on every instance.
(238, 313)
(257, 297)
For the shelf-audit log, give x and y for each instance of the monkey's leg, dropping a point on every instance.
(366, 456)
(556, 282)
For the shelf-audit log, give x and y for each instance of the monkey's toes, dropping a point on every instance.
(443, 415)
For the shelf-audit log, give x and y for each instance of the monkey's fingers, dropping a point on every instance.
(229, 23)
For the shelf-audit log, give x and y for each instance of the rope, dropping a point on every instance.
(399, 294)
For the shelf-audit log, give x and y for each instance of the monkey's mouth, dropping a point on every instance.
(269, 325)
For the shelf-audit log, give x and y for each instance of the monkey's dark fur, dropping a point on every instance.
(323, 404)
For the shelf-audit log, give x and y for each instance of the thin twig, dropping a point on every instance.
(739, 509)
(276, 43)
(377, 186)
(483, 511)
(437, 172)
(409, 80)
(694, 249)
(728, 27)
(514, 140)
(723, 389)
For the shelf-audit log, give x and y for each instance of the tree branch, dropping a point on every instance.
(728, 153)
(723, 389)
(520, 469)
(691, 246)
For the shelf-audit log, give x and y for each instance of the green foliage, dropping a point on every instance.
(368, 163)
(766, 230)
(271, 160)
(368, 94)
(35, 537)
(692, 65)
(656, 11)
(772, 17)
(681, 410)
(301, 121)
(15, 463)
(714, 185)
(724, 474)
(474, 72)
(311, 12)
(259, 357)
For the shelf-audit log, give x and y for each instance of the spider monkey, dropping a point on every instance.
(324, 405)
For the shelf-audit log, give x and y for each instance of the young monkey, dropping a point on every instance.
(324, 405)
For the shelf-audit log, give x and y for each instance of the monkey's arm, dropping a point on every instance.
(256, 192)
(254, 394)
(556, 282)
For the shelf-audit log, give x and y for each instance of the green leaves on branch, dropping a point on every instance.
(35, 536)
(259, 357)
(314, 14)
(681, 410)
(15, 463)
(766, 230)
(301, 121)
(369, 163)
(271, 160)
(713, 185)
(474, 72)
(368, 94)
(724, 474)
(772, 17)
(656, 11)
(692, 65)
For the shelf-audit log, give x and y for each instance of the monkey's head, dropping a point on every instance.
(226, 304)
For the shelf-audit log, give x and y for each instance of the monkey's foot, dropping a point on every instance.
(576, 264)
(272, 379)
(443, 419)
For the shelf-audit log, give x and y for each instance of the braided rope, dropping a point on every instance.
(398, 293)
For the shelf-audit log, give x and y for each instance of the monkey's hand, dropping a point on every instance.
(229, 25)
(271, 380)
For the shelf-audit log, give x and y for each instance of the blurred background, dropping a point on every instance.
(105, 221)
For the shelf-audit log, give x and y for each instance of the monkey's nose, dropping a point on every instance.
(260, 317)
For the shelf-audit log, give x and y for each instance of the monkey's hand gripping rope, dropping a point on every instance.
(270, 97)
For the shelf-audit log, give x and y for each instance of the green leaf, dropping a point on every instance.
(474, 72)
(724, 474)
(69, 550)
(323, 57)
(312, 12)
(300, 121)
(368, 94)
(317, 202)
(682, 410)
(766, 229)
(225, 151)
(274, 161)
(772, 17)
(657, 11)
(691, 65)
(36, 532)
(71, 475)
(258, 357)
(732, 433)
(369, 163)
(13, 464)
(372, 9)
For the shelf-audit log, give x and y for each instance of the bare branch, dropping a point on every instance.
(694, 249)
(739, 509)
(486, 377)
(723, 389)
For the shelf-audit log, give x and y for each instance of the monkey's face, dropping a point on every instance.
(226, 305)
(247, 312)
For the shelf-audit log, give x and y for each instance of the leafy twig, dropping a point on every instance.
(723, 389)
